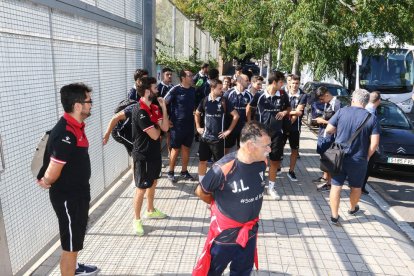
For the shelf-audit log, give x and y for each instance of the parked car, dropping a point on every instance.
(314, 108)
(396, 148)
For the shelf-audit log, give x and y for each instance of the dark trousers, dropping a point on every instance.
(242, 259)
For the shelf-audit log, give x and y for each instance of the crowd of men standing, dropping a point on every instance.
(235, 113)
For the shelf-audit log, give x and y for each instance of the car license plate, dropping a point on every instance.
(402, 161)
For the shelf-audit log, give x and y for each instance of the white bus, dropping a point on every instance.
(390, 69)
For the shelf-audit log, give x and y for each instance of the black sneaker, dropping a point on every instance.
(335, 221)
(279, 169)
(84, 269)
(365, 192)
(324, 188)
(292, 176)
(354, 211)
(186, 175)
(171, 177)
(319, 180)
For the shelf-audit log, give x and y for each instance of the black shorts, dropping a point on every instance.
(206, 150)
(276, 146)
(293, 137)
(182, 136)
(233, 139)
(145, 172)
(72, 215)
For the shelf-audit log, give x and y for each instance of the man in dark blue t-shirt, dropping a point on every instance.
(215, 108)
(238, 97)
(344, 123)
(180, 100)
(272, 106)
(166, 84)
(139, 73)
(297, 100)
(234, 187)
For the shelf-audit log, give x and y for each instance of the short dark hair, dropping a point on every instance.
(227, 78)
(257, 78)
(166, 69)
(146, 83)
(73, 93)
(139, 73)
(238, 68)
(204, 65)
(182, 74)
(251, 131)
(275, 76)
(374, 96)
(248, 73)
(295, 77)
(213, 74)
(321, 91)
(215, 82)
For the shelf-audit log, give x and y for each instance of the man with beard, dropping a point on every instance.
(66, 171)
(147, 123)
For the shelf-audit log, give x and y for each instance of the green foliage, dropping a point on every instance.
(318, 28)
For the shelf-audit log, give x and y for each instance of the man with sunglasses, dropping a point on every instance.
(66, 171)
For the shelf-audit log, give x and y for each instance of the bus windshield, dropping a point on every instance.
(390, 72)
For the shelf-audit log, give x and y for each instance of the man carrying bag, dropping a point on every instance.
(357, 138)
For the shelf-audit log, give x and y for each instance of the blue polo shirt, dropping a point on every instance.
(237, 187)
(329, 109)
(214, 116)
(163, 89)
(133, 95)
(267, 106)
(181, 102)
(299, 98)
(238, 100)
(347, 120)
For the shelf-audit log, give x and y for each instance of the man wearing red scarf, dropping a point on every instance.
(234, 187)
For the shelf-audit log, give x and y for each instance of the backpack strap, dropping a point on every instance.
(358, 130)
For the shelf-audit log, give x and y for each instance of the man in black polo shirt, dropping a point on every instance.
(215, 108)
(272, 106)
(66, 171)
(180, 100)
(147, 123)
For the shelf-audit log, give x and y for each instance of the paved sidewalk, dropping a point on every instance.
(295, 237)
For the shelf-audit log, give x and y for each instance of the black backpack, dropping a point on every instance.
(123, 135)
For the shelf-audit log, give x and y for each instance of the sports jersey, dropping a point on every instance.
(164, 88)
(214, 116)
(181, 102)
(144, 118)
(299, 98)
(267, 106)
(237, 187)
(238, 101)
(133, 95)
(68, 145)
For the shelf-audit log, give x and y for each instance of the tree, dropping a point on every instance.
(320, 33)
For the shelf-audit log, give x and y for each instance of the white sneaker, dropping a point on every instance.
(273, 193)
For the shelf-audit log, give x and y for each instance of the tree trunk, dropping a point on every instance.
(296, 62)
(279, 49)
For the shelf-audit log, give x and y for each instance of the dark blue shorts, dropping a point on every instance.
(182, 136)
(353, 170)
(241, 259)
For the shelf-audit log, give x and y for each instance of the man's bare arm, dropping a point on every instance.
(207, 198)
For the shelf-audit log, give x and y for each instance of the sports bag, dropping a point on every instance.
(332, 159)
(37, 161)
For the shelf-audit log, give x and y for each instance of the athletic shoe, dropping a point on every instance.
(186, 175)
(138, 228)
(292, 176)
(279, 169)
(323, 188)
(354, 211)
(156, 214)
(365, 192)
(84, 269)
(319, 180)
(335, 221)
(273, 193)
(298, 155)
(171, 177)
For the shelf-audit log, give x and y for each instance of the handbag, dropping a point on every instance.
(332, 159)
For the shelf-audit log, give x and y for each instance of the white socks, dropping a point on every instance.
(271, 184)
